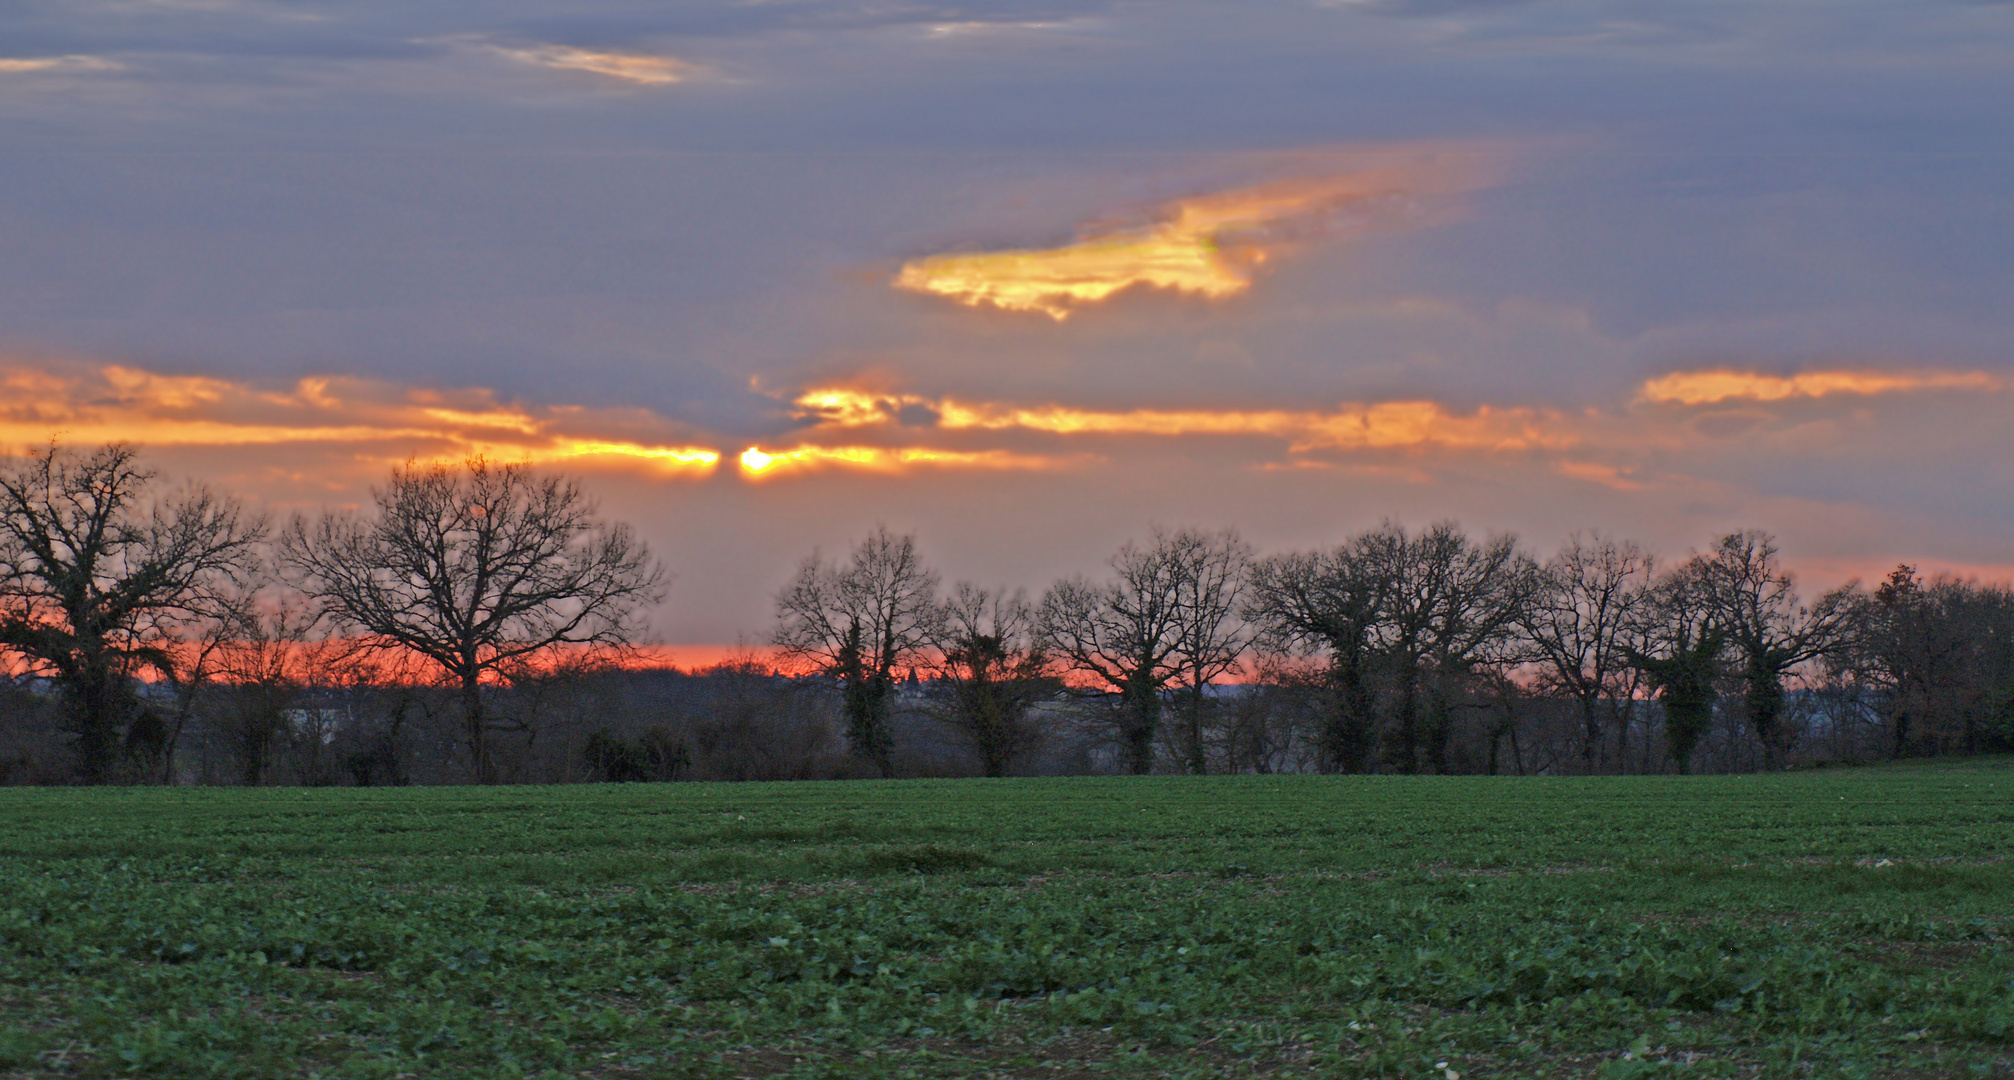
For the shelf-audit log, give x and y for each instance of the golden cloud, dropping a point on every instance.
(1208, 246)
(757, 463)
(640, 68)
(377, 421)
(1350, 426)
(1724, 384)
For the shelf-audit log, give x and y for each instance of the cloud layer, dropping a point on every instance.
(1027, 275)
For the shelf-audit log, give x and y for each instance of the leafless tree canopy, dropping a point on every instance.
(476, 567)
(1451, 606)
(466, 626)
(103, 576)
(1589, 612)
(1754, 605)
(1212, 570)
(1327, 604)
(993, 673)
(1165, 612)
(1932, 662)
(861, 623)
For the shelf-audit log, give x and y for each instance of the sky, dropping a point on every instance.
(1028, 278)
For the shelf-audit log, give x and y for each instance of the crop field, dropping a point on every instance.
(1826, 924)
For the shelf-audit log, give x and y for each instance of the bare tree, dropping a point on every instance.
(476, 568)
(1327, 604)
(859, 623)
(1285, 698)
(1755, 605)
(992, 674)
(1933, 661)
(1211, 571)
(102, 576)
(1682, 658)
(1451, 605)
(1125, 635)
(194, 664)
(266, 664)
(1589, 612)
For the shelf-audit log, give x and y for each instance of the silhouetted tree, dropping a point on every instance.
(1125, 635)
(1934, 660)
(1327, 603)
(1683, 659)
(1590, 611)
(1450, 604)
(264, 662)
(1211, 572)
(1755, 607)
(992, 674)
(860, 623)
(103, 577)
(476, 568)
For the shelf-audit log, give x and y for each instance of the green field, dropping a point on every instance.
(1842, 923)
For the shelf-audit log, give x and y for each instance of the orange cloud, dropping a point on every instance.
(757, 463)
(1723, 384)
(103, 404)
(640, 68)
(1379, 425)
(1208, 246)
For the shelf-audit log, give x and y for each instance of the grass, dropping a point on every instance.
(1846, 923)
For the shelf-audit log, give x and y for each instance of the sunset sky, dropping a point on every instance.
(1026, 278)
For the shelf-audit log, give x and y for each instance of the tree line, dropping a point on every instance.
(474, 623)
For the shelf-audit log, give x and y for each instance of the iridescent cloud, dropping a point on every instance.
(1208, 246)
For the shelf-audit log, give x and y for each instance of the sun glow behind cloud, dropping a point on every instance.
(757, 463)
(1208, 246)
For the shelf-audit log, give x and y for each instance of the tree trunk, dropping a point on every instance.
(97, 704)
(1198, 759)
(1590, 734)
(880, 709)
(1621, 738)
(1142, 716)
(1440, 728)
(476, 727)
(1409, 721)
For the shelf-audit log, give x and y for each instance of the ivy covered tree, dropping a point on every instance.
(106, 577)
(861, 622)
